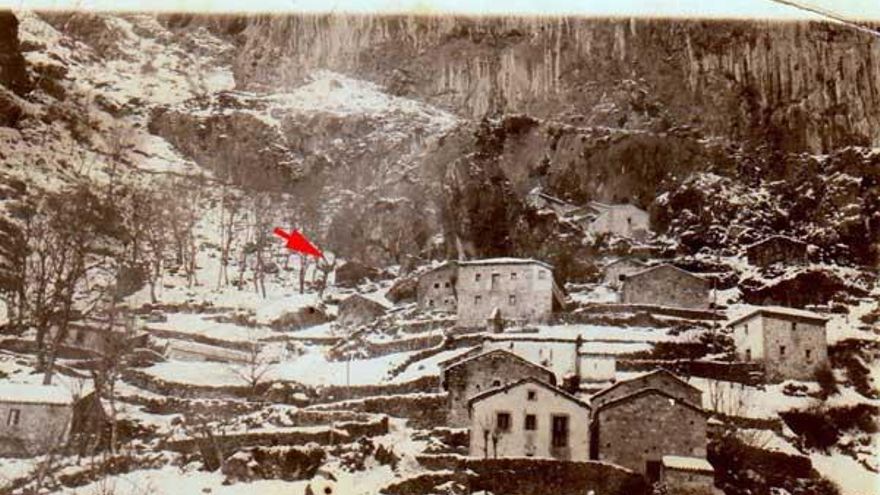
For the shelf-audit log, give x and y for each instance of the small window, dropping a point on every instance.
(542, 275)
(446, 285)
(793, 326)
(511, 299)
(431, 303)
(436, 285)
(496, 279)
(531, 422)
(781, 351)
(533, 395)
(477, 277)
(748, 354)
(503, 421)
(746, 328)
(496, 383)
(808, 353)
(14, 417)
(512, 275)
(478, 299)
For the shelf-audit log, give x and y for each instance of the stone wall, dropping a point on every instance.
(611, 274)
(645, 428)
(483, 373)
(534, 476)
(436, 289)
(666, 287)
(422, 410)
(797, 338)
(689, 482)
(777, 249)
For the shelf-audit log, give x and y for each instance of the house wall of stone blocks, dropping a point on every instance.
(666, 286)
(521, 291)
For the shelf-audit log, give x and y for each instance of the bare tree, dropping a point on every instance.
(325, 266)
(258, 364)
(230, 205)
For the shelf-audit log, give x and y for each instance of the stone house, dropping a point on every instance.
(357, 309)
(538, 199)
(615, 272)
(436, 288)
(481, 292)
(622, 220)
(660, 379)
(688, 476)
(478, 373)
(666, 285)
(777, 249)
(635, 431)
(34, 419)
(529, 418)
(95, 336)
(790, 343)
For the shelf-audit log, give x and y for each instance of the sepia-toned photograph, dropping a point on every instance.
(437, 247)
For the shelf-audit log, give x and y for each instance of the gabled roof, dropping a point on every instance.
(28, 393)
(505, 353)
(505, 261)
(530, 380)
(776, 238)
(470, 352)
(682, 463)
(642, 376)
(625, 260)
(664, 266)
(647, 391)
(373, 300)
(781, 312)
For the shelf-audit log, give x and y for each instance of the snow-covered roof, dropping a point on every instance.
(781, 312)
(530, 380)
(687, 463)
(505, 261)
(646, 391)
(29, 393)
(625, 260)
(207, 350)
(775, 238)
(643, 376)
(505, 353)
(664, 266)
(372, 297)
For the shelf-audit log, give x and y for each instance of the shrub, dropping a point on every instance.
(827, 383)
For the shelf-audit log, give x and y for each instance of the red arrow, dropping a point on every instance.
(298, 242)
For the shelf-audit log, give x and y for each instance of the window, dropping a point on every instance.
(559, 430)
(807, 353)
(431, 303)
(748, 354)
(746, 328)
(621, 277)
(531, 422)
(496, 383)
(477, 277)
(781, 351)
(512, 275)
(511, 299)
(478, 299)
(533, 395)
(14, 417)
(446, 285)
(542, 275)
(496, 279)
(80, 336)
(502, 421)
(793, 326)
(436, 285)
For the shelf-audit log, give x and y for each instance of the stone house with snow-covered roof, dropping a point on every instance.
(688, 475)
(483, 371)
(660, 379)
(358, 309)
(790, 343)
(615, 272)
(638, 429)
(623, 220)
(34, 419)
(666, 285)
(777, 249)
(480, 291)
(529, 418)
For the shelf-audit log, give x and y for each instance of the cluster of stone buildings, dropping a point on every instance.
(652, 423)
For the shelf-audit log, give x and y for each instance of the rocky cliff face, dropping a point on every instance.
(13, 72)
(794, 86)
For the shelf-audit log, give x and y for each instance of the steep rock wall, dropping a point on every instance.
(796, 86)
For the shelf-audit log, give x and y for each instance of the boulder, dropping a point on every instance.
(306, 316)
(352, 273)
(404, 290)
